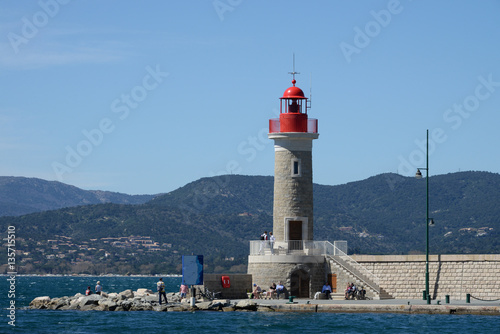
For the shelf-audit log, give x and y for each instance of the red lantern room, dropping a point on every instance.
(293, 113)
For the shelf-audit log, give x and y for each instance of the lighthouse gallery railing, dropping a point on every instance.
(274, 125)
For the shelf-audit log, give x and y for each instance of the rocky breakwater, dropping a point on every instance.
(140, 300)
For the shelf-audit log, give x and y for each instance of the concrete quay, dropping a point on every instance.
(401, 306)
(146, 300)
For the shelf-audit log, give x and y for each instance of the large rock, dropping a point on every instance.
(265, 308)
(113, 295)
(177, 308)
(216, 306)
(225, 302)
(108, 305)
(204, 306)
(57, 303)
(90, 307)
(40, 302)
(246, 304)
(89, 300)
(161, 308)
(124, 305)
(140, 306)
(173, 297)
(143, 292)
(151, 299)
(126, 294)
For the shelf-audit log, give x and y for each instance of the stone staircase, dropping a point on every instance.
(337, 296)
(373, 290)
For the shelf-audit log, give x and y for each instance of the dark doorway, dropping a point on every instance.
(295, 234)
(299, 284)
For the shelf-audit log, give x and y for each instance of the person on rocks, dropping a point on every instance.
(88, 292)
(160, 287)
(183, 290)
(98, 288)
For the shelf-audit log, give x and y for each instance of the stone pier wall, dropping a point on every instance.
(403, 276)
(268, 269)
(240, 284)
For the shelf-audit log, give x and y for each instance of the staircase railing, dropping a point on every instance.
(325, 248)
(351, 265)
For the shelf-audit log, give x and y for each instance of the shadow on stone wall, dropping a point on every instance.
(436, 283)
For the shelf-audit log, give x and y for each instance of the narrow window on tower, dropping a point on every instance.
(296, 168)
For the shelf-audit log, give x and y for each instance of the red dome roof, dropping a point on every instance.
(293, 93)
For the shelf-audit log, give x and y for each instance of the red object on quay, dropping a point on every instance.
(226, 282)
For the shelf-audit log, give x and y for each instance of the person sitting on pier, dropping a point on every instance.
(279, 289)
(327, 289)
(362, 293)
(352, 293)
(88, 292)
(272, 291)
(256, 291)
(347, 291)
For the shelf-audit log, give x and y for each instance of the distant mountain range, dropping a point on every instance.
(384, 214)
(21, 195)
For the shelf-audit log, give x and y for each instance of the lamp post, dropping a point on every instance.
(418, 175)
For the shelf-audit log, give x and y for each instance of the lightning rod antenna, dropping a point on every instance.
(310, 89)
(293, 71)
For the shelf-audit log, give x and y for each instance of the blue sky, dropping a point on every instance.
(144, 97)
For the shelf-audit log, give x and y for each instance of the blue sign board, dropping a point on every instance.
(192, 269)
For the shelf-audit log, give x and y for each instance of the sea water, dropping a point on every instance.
(57, 321)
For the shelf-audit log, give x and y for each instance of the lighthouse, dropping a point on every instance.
(295, 259)
(293, 134)
(291, 258)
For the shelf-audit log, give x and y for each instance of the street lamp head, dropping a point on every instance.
(418, 175)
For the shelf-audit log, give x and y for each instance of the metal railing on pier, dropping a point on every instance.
(309, 247)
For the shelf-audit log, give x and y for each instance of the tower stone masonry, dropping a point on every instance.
(293, 186)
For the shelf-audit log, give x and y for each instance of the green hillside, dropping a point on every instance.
(22, 195)
(216, 217)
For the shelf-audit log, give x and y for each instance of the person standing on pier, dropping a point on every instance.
(272, 239)
(160, 286)
(263, 240)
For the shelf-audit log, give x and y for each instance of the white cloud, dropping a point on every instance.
(47, 58)
(56, 47)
